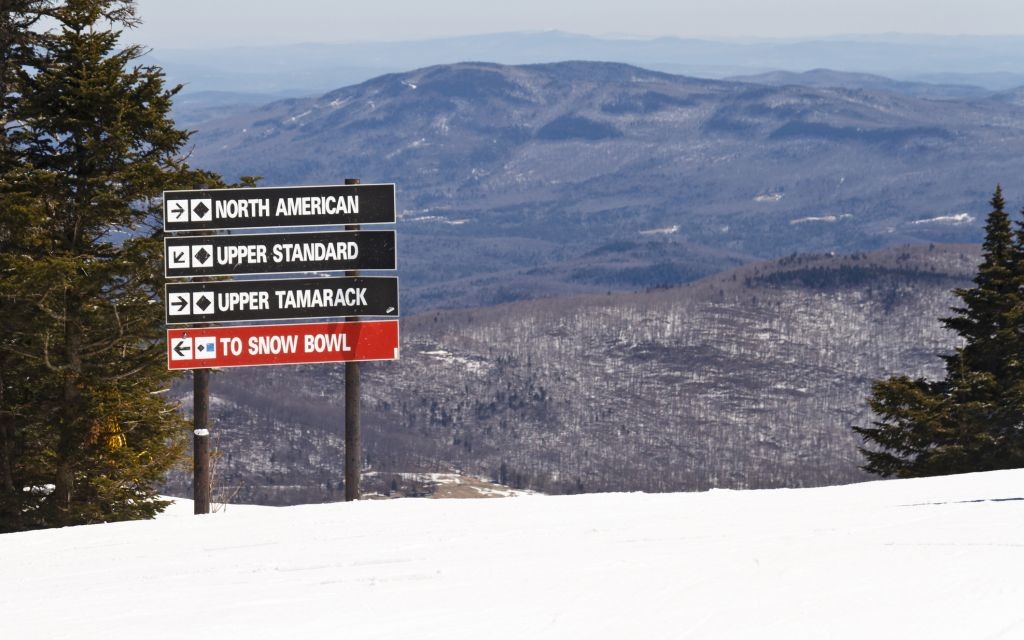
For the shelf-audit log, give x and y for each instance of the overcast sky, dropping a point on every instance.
(184, 24)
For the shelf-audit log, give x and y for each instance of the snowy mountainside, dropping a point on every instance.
(748, 379)
(937, 558)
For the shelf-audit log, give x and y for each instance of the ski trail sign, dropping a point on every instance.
(273, 253)
(220, 209)
(300, 298)
(261, 345)
(211, 252)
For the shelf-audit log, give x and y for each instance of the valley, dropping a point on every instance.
(747, 379)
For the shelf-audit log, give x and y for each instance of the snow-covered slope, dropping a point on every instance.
(932, 558)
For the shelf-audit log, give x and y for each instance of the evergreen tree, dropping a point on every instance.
(88, 146)
(972, 419)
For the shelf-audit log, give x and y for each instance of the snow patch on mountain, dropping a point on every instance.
(832, 217)
(957, 219)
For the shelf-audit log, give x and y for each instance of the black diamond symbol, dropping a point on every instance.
(202, 256)
(201, 348)
(201, 209)
(202, 302)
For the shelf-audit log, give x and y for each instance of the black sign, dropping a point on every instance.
(206, 209)
(278, 253)
(206, 302)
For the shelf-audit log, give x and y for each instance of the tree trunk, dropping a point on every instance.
(9, 499)
(6, 446)
(64, 483)
(6, 455)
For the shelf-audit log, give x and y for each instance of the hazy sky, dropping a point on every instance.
(183, 24)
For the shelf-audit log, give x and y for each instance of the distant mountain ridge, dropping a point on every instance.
(992, 62)
(867, 82)
(522, 182)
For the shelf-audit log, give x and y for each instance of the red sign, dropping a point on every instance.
(252, 346)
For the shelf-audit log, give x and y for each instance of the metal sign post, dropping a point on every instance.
(201, 488)
(353, 435)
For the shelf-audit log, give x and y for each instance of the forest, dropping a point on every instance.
(749, 379)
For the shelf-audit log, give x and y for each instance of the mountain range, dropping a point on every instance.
(521, 182)
(830, 78)
(991, 62)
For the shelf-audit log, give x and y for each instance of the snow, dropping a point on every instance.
(960, 218)
(929, 558)
(827, 218)
(476, 366)
(442, 485)
(662, 231)
(439, 219)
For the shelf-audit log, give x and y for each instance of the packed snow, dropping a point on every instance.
(930, 558)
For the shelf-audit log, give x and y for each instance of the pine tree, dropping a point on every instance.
(88, 147)
(986, 319)
(19, 50)
(972, 419)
